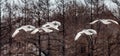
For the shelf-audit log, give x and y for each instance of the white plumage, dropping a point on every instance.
(26, 28)
(53, 24)
(105, 21)
(47, 28)
(85, 31)
(93, 22)
(36, 30)
(15, 33)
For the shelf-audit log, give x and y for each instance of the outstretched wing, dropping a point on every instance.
(114, 22)
(94, 22)
(15, 33)
(36, 30)
(77, 36)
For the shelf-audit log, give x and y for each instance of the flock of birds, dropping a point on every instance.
(47, 28)
(54, 25)
(92, 31)
(51, 26)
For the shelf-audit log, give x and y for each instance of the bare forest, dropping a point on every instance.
(72, 17)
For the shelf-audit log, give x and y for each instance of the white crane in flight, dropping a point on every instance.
(47, 28)
(85, 31)
(105, 21)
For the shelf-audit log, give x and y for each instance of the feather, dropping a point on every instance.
(105, 21)
(85, 31)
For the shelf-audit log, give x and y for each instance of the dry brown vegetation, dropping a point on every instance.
(61, 43)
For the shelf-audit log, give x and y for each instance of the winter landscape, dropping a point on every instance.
(59, 27)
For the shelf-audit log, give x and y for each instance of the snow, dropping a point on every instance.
(18, 13)
(11, 3)
(105, 21)
(15, 2)
(20, 5)
(118, 1)
(81, 2)
(16, 7)
(109, 4)
(113, 7)
(55, 6)
(85, 31)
